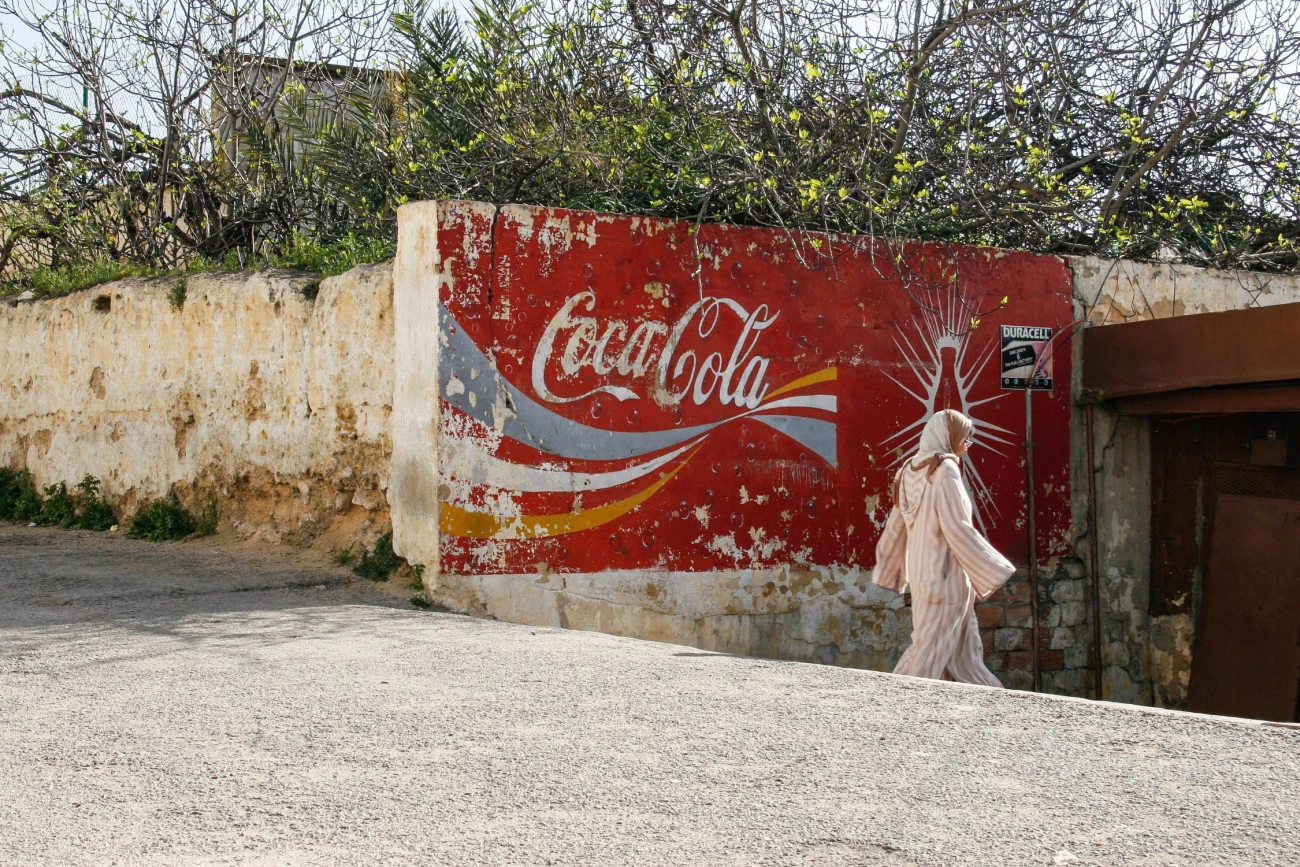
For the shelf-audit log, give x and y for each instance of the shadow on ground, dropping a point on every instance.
(52, 579)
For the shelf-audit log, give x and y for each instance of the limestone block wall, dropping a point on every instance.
(1108, 291)
(1145, 659)
(253, 391)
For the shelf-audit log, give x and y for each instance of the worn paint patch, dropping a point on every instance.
(1170, 654)
(762, 401)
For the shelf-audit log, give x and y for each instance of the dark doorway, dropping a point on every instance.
(1247, 656)
(1226, 550)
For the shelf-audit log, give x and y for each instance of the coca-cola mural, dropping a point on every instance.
(622, 393)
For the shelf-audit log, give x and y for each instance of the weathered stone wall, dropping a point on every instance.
(806, 615)
(283, 408)
(250, 391)
(1108, 291)
(1006, 628)
(1145, 659)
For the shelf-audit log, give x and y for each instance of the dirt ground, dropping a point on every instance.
(214, 702)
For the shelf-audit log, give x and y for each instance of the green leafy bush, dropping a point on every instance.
(163, 521)
(82, 510)
(378, 562)
(28, 507)
(58, 509)
(17, 492)
(92, 512)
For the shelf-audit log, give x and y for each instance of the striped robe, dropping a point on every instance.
(931, 547)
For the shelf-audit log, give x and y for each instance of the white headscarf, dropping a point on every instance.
(944, 431)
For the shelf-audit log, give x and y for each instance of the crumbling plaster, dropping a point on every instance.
(830, 615)
(276, 404)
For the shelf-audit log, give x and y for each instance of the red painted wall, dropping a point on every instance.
(620, 393)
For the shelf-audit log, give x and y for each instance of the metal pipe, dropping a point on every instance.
(1030, 505)
(1033, 533)
(1094, 560)
(1048, 351)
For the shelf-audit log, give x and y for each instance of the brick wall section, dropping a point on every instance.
(1064, 633)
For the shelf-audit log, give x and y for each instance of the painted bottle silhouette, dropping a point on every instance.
(946, 394)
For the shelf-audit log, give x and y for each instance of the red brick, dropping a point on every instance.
(1017, 592)
(986, 636)
(1014, 592)
(998, 597)
(990, 616)
(1051, 660)
(1020, 660)
(1019, 615)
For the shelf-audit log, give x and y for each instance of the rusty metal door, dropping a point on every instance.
(1247, 656)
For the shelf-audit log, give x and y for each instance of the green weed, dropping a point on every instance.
(417, 580)
(419, 600)
(162, 521)
(17, 492)
(207, 523)
(58, 509)
(300, 253)
(28, 507)
(331, 259)
(177, 294)
(379, 562)
(56, 282)
(343, 556)
(82, 510)
(92, 512)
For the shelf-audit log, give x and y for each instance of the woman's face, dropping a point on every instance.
(960, 433)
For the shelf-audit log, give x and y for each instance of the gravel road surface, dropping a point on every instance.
(211, 702)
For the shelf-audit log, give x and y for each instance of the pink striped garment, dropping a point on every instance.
(931, 546)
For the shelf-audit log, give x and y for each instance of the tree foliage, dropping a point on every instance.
(1145, 128)
(149, 132)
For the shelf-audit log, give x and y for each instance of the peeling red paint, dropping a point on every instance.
(772, 398)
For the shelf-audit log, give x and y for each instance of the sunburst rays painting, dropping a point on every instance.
(946, 369)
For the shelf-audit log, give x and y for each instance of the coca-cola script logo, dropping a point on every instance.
(508, 452)
(574, 341)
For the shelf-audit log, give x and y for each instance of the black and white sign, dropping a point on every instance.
(1026, 357)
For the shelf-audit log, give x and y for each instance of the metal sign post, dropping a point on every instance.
(1027, 365)
(1033, 535)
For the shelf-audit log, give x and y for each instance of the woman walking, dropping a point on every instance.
(931, 547)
